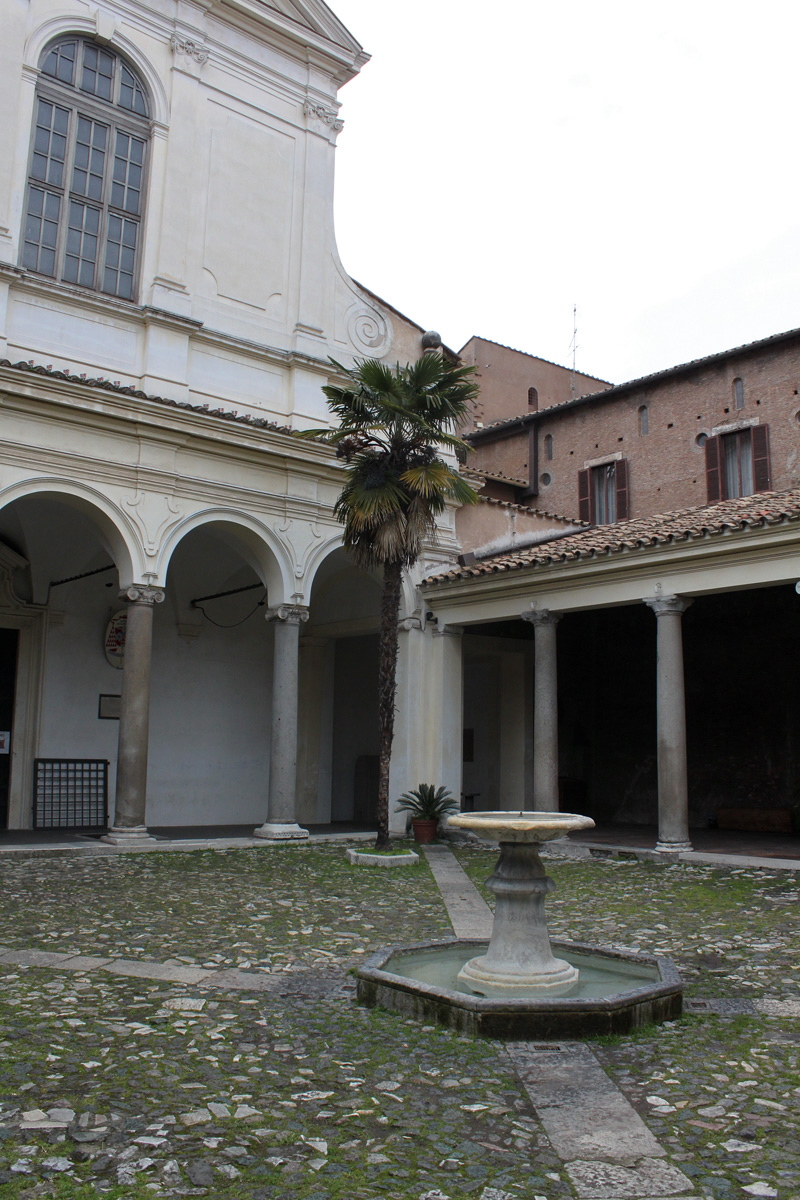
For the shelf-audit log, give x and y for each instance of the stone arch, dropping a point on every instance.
(257, 543)
(61, 26)
(117, 531)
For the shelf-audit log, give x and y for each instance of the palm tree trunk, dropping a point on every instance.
(387, 687)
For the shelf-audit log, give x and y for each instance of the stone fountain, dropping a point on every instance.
(514, 986)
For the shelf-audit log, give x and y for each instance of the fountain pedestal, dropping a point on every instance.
(519, 960)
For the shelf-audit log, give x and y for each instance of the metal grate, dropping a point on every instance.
(70, 793)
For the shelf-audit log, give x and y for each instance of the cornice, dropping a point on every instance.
(141, 478)
(111, 412)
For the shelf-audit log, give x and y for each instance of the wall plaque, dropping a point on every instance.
(115, 639)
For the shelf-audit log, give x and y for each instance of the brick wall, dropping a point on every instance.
(666, 464)
(506, 375)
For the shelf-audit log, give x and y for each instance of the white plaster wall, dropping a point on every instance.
(242, 297)
(209, 724)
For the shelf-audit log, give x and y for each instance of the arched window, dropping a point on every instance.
(533, 398)
(548, 447)
(644, 420)
(87, 169)
(738, 393)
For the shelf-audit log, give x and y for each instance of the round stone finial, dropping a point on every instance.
(431, 340)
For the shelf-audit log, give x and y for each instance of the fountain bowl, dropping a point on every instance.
(520, 827)
(420, 981)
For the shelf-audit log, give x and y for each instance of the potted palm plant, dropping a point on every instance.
(427, 805)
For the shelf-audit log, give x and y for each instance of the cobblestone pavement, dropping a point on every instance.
(262, 1079)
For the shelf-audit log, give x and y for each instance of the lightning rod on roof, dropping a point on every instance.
(574, 347)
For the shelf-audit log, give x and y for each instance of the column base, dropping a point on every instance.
(132, 835)
(673, 847)
(281, 832)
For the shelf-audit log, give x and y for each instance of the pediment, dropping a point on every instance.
(316, 17)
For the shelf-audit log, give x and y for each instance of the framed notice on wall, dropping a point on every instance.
(108, 708)
(5, 741)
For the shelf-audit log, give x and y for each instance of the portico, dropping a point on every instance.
(634, 690)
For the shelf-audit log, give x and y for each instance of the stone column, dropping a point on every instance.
(545, 710)
(281, 822)
(673, 794)
(130, 815)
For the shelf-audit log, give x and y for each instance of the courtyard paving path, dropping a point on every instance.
(184, 1024)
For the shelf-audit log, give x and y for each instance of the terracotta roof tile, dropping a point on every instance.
(746, 512)
(479, 473)
(534, 512)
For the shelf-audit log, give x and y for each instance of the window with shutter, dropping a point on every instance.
(737, 463)
(603, 493)
(762, 481)
(584, 497)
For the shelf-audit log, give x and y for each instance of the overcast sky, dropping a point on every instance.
(503, 161)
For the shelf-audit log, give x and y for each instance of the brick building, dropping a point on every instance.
(713, 429)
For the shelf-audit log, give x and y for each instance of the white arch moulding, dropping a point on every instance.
(314, 560)
(74, 23)
(259, 545)
(123, 541)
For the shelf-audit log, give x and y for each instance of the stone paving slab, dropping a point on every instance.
(615, 1181)
(469, 913)
(33, 958)
(152, 970)
(84, 962)
(244, 980)
(584, 1113)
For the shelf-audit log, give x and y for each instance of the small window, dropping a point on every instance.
(87, 170)
(738, 394)
(548, 447)
(644, 420)
(533, 398)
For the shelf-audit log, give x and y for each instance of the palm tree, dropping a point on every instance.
(392, 420)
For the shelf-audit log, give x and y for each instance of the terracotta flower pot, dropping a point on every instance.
(424, 831)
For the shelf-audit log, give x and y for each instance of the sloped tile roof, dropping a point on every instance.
(746, 512)
(534, 512)
(479, 473)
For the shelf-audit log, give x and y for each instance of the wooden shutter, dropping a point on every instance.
(715, 479)
(621, 481)
(584, 496)
(761, 471)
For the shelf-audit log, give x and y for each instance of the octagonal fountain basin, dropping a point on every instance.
(616, 992)
(513, 986)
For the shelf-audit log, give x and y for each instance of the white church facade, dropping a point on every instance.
(170, 296)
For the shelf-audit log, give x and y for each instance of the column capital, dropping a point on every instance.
(662, 605)
(142, 593)
(541, 616)
(292, 614)
(406, 624)
(447, 630)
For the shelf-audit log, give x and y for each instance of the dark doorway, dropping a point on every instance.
(8, 679)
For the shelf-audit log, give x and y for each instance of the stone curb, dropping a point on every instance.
(187, 844)
(366, 859)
